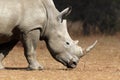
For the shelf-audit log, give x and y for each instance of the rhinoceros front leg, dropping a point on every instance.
(4, 50)
(30, 42)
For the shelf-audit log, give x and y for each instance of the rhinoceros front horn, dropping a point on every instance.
(85, 51)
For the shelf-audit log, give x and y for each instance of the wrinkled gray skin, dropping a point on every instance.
(29, 21)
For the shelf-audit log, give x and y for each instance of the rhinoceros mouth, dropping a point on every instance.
(72, 65)
(69, 64)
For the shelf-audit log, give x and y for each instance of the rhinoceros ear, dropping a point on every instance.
(64, 13)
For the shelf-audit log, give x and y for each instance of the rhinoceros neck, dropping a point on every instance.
(51, 13)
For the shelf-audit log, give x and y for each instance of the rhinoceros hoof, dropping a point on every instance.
(35, 67)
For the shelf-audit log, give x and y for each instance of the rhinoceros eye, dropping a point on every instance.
(67, 43)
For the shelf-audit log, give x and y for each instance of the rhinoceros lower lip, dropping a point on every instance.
(71, 65)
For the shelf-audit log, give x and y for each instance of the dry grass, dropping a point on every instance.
(103, 63)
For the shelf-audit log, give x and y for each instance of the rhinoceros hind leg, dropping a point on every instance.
(4, 50)
(30, 43)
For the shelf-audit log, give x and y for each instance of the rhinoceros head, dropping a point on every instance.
(60, 44)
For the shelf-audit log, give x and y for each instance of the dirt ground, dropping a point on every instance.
(102, 63)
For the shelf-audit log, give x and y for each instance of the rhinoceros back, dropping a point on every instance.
(23, 14)
(9, 15)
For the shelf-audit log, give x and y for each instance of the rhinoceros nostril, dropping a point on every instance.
(75, 63)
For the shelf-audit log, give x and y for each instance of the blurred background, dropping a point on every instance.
(92, 16)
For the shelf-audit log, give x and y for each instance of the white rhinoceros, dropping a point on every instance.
(29, 21)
